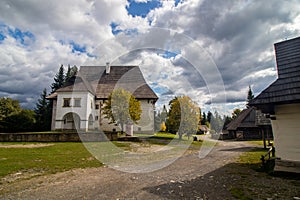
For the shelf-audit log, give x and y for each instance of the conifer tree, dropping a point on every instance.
(43, 112)
(59, 79)
(250, 96)
(68, 74)
(71, 71)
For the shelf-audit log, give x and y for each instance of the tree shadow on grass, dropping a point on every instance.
(233, 180)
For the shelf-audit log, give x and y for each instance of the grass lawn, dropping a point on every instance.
(259, 142)
(57, 157)
(252, 158)
(46, 159)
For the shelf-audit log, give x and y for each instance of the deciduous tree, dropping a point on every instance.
(235, 113)
(163, 127)
(21, 121)
(13, 118)
(216, 123)
(184, 116)
(122, 107)
(8, 106)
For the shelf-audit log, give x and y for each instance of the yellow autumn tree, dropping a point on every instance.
(184, 116)
(122, 106)
(163, 127)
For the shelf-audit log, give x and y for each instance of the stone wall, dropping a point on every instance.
(57, 137)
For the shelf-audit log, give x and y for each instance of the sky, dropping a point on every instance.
(209, 50)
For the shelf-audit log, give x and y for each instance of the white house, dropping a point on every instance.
(281, 100)
(79, 103)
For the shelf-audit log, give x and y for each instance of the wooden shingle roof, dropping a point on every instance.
(286, 89)
(98, 82)
(246, 119)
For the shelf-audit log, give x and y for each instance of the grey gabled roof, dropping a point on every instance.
(95, 80)
(286, 89)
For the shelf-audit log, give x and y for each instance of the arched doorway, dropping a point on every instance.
(71, 121)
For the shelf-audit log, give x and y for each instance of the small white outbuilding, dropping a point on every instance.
(281, 101)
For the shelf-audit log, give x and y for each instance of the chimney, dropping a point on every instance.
(107, 68)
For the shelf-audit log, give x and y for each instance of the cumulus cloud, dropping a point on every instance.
(239, 35)
(226, 42)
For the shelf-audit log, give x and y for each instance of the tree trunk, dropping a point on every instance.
(122, 128)
(180, 136)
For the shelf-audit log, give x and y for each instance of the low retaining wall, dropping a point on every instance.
(57, 137)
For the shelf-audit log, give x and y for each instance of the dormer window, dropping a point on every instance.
(67, 102)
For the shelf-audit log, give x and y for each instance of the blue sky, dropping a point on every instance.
(36, 38)
(142, 9)
(22, 37)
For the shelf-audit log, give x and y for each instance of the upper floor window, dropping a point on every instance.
(77, 102)
(97, 106)
(67, 102)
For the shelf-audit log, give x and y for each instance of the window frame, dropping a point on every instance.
(76, 100)
(66, 105)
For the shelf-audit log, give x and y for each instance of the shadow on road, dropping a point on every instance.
(243, 149)
(233, 180)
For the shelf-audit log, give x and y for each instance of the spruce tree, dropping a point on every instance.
(68, 74)
(250, 96)
(204, 119)
(72, 71)
(43, 112)
(59, 79)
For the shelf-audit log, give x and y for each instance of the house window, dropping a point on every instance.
(96, 118)
(67, 102)
(77, 102)
(97, 106)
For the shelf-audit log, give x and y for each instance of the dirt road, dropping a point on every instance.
(189, 177)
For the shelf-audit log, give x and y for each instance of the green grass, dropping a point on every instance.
(259, 142)
(50, 159)
(252, 158)
(65, 156)
(165, 135)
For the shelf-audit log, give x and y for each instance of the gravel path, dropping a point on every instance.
(189, 177)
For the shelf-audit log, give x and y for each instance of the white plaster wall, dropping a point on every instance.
(286, 130)
(90, 108)
(83, 111)
(53, 122)
(146, 123)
